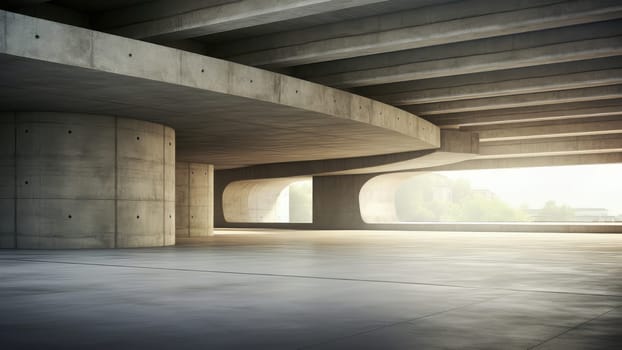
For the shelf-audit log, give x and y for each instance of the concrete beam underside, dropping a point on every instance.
(262, 113)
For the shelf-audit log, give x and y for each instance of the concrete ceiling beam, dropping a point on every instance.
(551, 146)
(231, 114)
(540, 161)
(456, 146)
(559, 128)
(562, 111)
(522, 100)
(539, 55)
(456, 30)
(505, 88)
(231, 16)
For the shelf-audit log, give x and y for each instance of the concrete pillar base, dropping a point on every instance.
(336, 201)
(85, 181)
(194, 199)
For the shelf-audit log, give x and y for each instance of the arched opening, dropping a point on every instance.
(283, 200)
(579, 193)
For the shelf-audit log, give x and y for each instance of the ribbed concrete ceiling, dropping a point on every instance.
(224, 113)
(536, 78)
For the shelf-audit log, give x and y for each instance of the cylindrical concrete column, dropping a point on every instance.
(85, 181)
(194, 193)
(7, 180)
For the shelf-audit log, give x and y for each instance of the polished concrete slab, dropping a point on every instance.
(262, 289)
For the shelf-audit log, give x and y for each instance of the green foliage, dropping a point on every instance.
(432, 197)
(553, 212)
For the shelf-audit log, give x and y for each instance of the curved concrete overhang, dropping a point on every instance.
(456, 146)
(224, 113)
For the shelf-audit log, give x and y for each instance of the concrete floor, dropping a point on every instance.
(320, 290)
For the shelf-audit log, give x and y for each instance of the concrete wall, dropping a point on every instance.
(377, 197)
(86, 181)
(254, 200)
(7, 180)
(336, 201)
(194, 206)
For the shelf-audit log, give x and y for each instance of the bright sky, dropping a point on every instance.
(584, 186)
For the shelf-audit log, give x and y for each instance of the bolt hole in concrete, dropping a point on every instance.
(26, 131)
(137, 137)
(69, 131)
(69, 216)
(37, 36)
(170, 143)
(137, 216)
(251, 80)
(202, 70)
(130, 55)
(26, 182)
(296, 91)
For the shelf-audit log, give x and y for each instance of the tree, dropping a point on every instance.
(433, 197)
(553, 212)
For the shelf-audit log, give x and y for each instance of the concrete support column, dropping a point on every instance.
(336, 201)
(86, 181)
(7, 181)
(194, 189)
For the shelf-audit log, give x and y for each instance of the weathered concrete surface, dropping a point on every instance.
(248, 195)
(563, 111)
(456, 146)
(321, 290)
(226, 17)
(522, 100)
(396, 32)
(7, 180)
(607, 143)
(553, 53)
(194, 193)
(526, 85)
(551, 128)
(253, 200)
(336, 203)
(231, 114)
(85, 181)
(566, 44)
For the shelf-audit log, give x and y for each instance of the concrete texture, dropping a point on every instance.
(253, 200)
(409, 30)
(463, 65)
(552, 46)
(194, 193)
(366, 202)
(85, 181)
(228, 16)
(336, 202)
(7, 181)
(320, 290)
(227, 113)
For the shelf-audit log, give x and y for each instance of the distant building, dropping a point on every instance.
(592, 215)
(579, 215)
